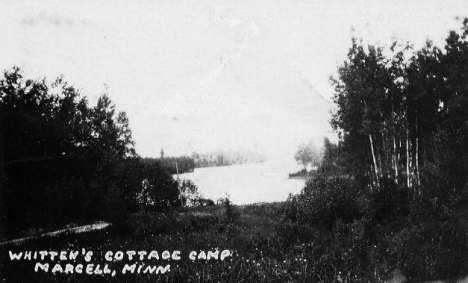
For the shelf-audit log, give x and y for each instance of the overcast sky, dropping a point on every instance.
(201, 75)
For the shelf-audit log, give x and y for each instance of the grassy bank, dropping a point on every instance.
(259, 251)
(227, 243)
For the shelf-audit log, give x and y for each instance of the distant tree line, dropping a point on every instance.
(63, 160)
(172, 165)
(227, 157)
(185, 164)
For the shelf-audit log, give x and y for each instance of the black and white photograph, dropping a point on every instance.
(234, 141)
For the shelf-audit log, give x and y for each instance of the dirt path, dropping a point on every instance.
(74, 230)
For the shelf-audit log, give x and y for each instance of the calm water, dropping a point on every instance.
(247, 183)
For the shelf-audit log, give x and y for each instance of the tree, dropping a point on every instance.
(308, 154)
(362, 92)
(403, 115)
(66, 161)
(163, 191)
(332, 159)
(189, 193)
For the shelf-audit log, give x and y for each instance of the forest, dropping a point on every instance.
(65, 161)
(392, 194)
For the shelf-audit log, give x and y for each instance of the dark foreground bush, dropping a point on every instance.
(326, 200)
(231, 213)
(275, 209)
(433, 242)
(390, 204)
(422, 232)
(432, 251)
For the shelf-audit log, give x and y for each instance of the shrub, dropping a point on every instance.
(390, 204)
(290, 234)
(325, 200)
(117, 212)
(189, 193)
(433, 243)
(433, 251)
(230, 211)
(346, 257)
(291, 208)
(205, 202)
(273, 210)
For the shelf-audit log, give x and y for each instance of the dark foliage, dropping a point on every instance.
(173, 165)
(392, 193)
(64, 161)
(326, 200)
(231, 213)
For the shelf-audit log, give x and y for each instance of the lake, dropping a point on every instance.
(247, 183)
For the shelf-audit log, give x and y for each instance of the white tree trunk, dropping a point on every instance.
(417, 152)
(408, 160)
(395, 160)
(376, 169)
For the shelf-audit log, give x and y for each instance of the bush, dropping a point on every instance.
(433, 243)
(420, 231)
(271, 210)
(390, 204)
(189, 193)
(117, 212)
(290, 234)
(336, 215)
(326, 200)
(432, 251)
(205, 202)
(347, 256)
(230, 211)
